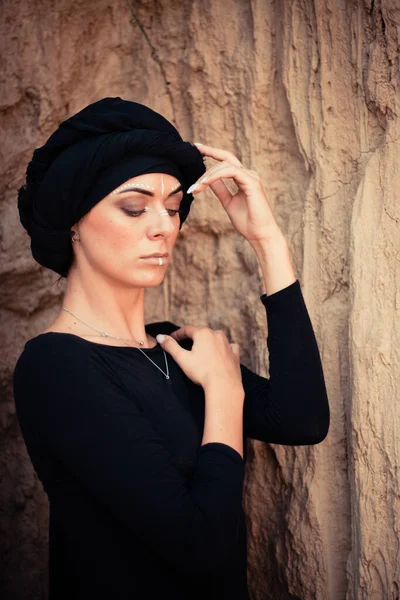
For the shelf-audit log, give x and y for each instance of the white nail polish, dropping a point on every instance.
(192, 188)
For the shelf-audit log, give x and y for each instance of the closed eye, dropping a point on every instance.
(136, 213)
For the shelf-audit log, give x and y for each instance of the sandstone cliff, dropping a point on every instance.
(307, 93)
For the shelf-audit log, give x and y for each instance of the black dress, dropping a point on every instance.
(138, 508)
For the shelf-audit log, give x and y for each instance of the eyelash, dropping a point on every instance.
(137, 213)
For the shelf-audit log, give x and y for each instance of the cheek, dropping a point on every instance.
(114, 238)
(116, 232)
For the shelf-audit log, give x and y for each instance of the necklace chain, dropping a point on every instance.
(105, 334)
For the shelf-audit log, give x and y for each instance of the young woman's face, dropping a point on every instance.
(137, 219)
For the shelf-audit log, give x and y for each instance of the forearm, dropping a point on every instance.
(275, 261)
(223, 420)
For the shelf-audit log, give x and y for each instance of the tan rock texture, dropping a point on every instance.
(307, 93)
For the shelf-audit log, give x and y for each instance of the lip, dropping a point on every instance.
(156, 255)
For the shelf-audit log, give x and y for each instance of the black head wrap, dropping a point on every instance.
(88, 156)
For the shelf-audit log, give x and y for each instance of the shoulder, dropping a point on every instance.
(62, 370)
(55, 341)
(51, 352)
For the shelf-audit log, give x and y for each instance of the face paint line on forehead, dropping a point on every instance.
(133, 184)
(175, 187)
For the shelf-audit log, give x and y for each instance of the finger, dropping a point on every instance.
(214, 168)
(187, 331)
(219, 167)
(241, 177)
(208, 174)
(172, 347)
(217, 153)
(222, 191)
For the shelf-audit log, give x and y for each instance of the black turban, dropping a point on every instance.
(86, 158)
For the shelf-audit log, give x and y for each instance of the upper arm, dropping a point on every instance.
(258, 418)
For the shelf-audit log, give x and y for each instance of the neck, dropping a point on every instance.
(104, 304)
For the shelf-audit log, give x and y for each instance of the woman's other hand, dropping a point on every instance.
(211, 359)
(248, 209)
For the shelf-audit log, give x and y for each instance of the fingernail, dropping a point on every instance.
(160, 338)
(193, 187)
(198, 144)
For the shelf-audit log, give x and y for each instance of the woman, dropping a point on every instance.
(137, 431)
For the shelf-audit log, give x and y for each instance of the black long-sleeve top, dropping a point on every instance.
(138, 507)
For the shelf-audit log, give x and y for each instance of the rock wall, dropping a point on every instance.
(307, 93)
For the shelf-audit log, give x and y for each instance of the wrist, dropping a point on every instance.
(274, 238)
(218, 385)
(275, 261)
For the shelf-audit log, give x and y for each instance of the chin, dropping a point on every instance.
(152, 280)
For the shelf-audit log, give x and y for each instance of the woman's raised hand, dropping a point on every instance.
(248, 209)
(211, 359)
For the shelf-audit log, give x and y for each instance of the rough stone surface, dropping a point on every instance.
(307, 93)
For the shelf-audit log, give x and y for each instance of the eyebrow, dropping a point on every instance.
(147, 192)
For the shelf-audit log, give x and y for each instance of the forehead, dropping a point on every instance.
(155, 180)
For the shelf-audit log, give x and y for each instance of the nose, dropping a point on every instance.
(162, 222)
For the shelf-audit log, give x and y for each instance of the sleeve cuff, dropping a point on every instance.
(224, 449)
(286, 293)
